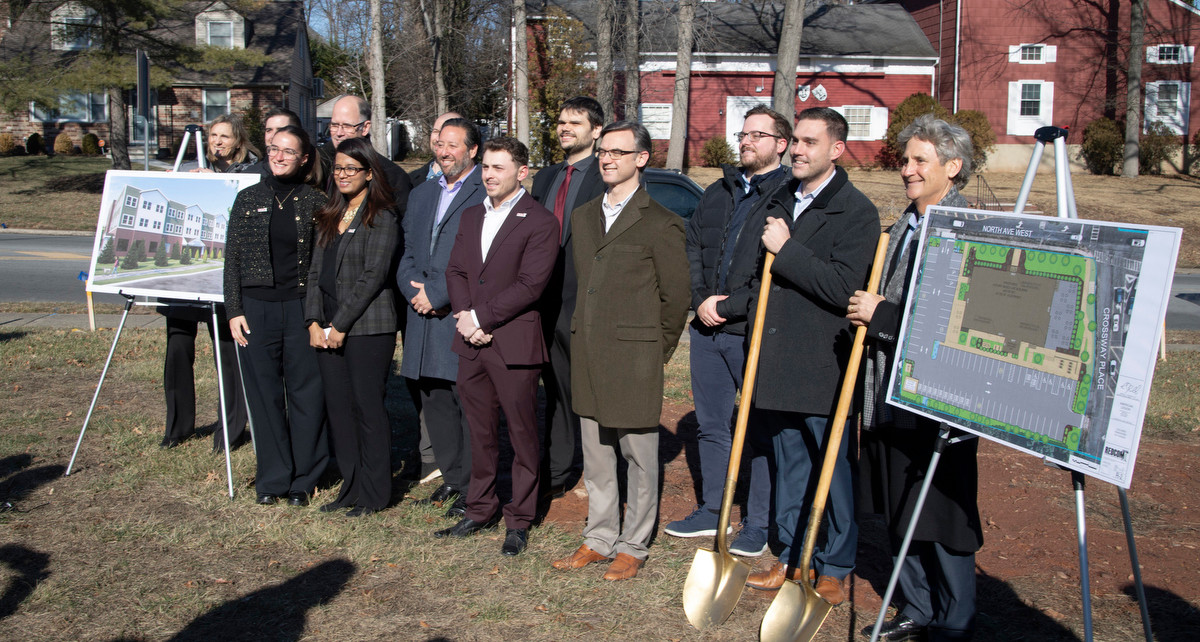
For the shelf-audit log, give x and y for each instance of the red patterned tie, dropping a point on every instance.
(560, 199)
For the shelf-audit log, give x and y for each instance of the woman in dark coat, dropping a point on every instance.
(267, 259)
(351, 315)
(937, 580)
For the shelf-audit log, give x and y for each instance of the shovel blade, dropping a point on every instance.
(796, 614)
(712, 588)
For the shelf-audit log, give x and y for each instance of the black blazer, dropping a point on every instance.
(366, 298)
(806, 337)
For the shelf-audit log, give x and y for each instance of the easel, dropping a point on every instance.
(1065, 193)
(212, 306)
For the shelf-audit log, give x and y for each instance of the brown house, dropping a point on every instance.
(50, 33)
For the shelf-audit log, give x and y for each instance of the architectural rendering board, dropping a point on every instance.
(163, 234)
(1024, 330)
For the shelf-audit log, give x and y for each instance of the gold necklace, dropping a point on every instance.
(350, 213)
(281, 200)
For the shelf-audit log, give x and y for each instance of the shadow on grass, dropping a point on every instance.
(1173, 618)
(14, 485)
(30, 568)
(275, 613)
(86, 183)
(15, 335)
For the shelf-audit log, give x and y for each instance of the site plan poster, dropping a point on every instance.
(162, 234)
(1039, 333)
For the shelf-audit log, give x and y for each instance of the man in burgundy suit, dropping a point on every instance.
(501, 260)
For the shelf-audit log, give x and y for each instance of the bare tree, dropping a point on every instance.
(432, 21)
(520, 72)
(633, 76)
(607, 14)
(676, 152)
(787, 57)
(375, 70)
(1133, 88)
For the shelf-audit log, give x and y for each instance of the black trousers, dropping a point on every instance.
(355, 381)
(283, 385)
(179, 381)
(449, 432)
(562, 456)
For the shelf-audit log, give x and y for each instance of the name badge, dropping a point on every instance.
(261, 209)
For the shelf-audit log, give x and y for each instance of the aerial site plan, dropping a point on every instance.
(1024, 329)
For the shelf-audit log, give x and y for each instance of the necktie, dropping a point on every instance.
(560, 199)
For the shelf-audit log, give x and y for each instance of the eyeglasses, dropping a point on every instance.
(286, 153)
(615, 154)
(348, 170)
(342, 127)
(754, 136)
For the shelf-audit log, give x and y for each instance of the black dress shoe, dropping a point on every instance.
(297, 498)
(515, 541)
(899, 629)
(266, 499)
(331, 507)
(439, 496)
(465, 528)
(361, 511)
(458, 508)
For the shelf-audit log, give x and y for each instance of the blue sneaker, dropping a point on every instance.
(751, 542)
(701, 523)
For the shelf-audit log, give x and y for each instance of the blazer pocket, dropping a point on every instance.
(638, 333)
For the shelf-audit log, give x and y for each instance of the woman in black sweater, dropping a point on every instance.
(267, 257)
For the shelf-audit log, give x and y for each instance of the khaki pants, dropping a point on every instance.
(604, 533)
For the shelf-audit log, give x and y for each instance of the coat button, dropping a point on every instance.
(771, 331)
(297, 218)
(597, 257)
(480, 281)
(591, 290)
(774, 288)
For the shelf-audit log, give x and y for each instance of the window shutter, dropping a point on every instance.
(1185, 106)
(1014, 53)
(1047, 115)
(1189, 53)
(1050, 53)
(1152, 53)
(879, 122)
(1014, 107)
(1150, 108)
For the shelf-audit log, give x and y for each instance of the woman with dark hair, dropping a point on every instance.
(267, 258)
(350, 310)
(937, 579)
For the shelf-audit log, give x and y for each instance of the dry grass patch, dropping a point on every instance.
(51, 192)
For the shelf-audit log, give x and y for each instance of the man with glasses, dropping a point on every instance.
(560, 188)
(351, 118)
(630, 307)
(718, 236)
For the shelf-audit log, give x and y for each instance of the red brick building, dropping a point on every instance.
(1028, 63)
(50, 33)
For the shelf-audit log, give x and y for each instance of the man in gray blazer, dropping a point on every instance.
(430, 225)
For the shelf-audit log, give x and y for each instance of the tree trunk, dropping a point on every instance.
(783, 96)
(604, 56)
(520, 73)
(676, 152)
(633, 76)
(1133, 88)
(431, 20)
(379, 121)
(118, 139)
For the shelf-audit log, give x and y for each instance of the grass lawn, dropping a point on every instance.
(51, 192)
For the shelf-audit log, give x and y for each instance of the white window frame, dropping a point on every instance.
(227, 23)
(1047, 53)
(656, 118)
(877, 122)
(204, 103)
(94, 109)
(1019, 125)
(1177, 122)
(1154, 54)
(71, 27)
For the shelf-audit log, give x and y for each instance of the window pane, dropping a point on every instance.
(1169, 53)
(859, 120)
(98, 107)
(1031, 52)
(73, 106)
(1168, 99)
(216, 103)
(220, 34)
(1031, 100)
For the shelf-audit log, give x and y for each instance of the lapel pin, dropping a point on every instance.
(521, 214)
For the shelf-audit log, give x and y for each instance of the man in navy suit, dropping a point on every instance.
(501, 261)
(430, 225)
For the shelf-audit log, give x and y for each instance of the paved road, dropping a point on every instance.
(1183, 311)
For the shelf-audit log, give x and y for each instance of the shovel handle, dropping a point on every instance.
(833, 435)
(743, 416)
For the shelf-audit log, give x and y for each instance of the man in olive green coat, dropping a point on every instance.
(633, 298)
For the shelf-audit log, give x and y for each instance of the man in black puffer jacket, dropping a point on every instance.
(723, 252)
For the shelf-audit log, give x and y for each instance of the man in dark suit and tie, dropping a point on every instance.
(351, 118)
(501, 261)
(430, 226)
(561, 188)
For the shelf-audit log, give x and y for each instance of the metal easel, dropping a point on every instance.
(188, 132)
(1065, 194)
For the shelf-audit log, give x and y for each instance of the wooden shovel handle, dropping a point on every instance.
(833, 431)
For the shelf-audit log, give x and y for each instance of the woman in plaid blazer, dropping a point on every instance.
(351, 316)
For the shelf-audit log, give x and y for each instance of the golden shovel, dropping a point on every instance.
(716, 580)
(797, 612)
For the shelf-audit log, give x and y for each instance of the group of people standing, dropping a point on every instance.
(585, 283)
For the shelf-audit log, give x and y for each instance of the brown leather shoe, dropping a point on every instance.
(579, 559)
(772, 578)
(623, 568)
(830, 589)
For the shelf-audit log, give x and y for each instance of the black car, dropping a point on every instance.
(672, 190)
